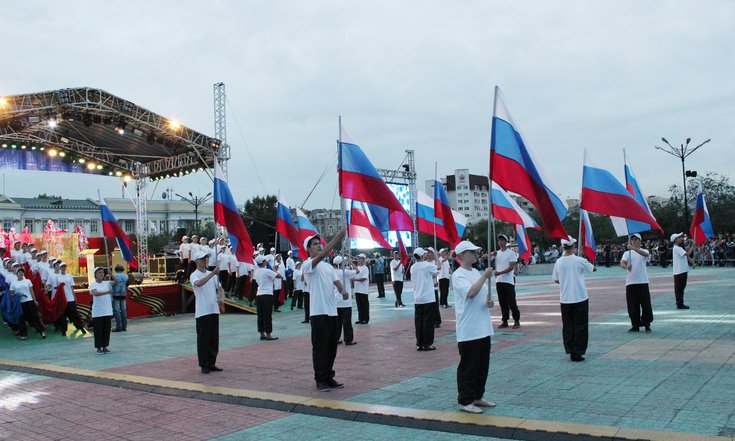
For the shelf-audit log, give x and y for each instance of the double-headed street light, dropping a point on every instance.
(196, 201)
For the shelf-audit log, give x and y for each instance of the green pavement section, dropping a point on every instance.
(306, 427)
(679, 378)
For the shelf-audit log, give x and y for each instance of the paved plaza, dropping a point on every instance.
(677, 382)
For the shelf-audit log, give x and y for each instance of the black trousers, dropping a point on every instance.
(424, 322)
(72, 315)
(380, 280)
(265, 313)
(297, 298)
(224, 278)
(474, 363)
(240, 287)
(437, 312)
(398, 290)
(102, 328)
(324, 337)
(363, 307)
(306, 306)
(638, 298)
(207, 339)
(507, 300)
(575, 320)
(443, 292)
(253, 290)
(30, 315)
(680, 283)
(345, 319)
(289, 286)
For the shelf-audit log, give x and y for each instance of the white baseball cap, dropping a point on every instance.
(337, 260)
(200, 255)
(568, 242)
(636, 235)
(362, 255)
(308, 239)
(675, 236)
(503, 236)
(418, 251)
(260, 259)
(465, 245)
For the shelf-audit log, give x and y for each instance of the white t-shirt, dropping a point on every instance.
(264, 277)
(473, 315)
(193, 249)
(232, 262)
(23, 289)
(49, 273)
(637, 273)
(206, 295)
(320, 282)
(396, 270)
(363, 286)
(184, 250)
(444, 271)
(53, 281)
(348, 274)
(101, 305)
(503, 260)
(679, 260)
(568, 271)
(212, 255)
(10, 277)
(271, 259)
(41, 268)
(16, 255)
(423, 282)
(298, 284)
(244, 268)
(223, 260)
(68, 281)
(278, 283)
(290, 264)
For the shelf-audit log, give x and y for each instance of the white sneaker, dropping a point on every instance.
(470, 408)
(484, 403)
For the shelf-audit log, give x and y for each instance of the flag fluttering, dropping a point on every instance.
(405, 258)
(306, 229)
(701, 228)
(587, 237)
(227, 215)
(524, 243)
(360, 225)
(443, 212)
(506, 209)
(112, 229)
(425, 218)
(624, 226)
(286, 226)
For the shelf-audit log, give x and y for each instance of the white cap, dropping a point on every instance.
(200, 255)
(443, 250)
(636, 235)
(503, 236)
(675, 235)
(260, 259)
(362, 255)
(184, 236)
(418, 251)
(273, 249)
(97, 269)
(308, 239)
(337, 260)
(431, 249)
(568, 242)
(62, 264)
(465, 245)
(289, 252)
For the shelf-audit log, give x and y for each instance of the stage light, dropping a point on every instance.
(12, 146)
(118, 173)
(174, 125)
(5, 146)
(52, 152)
(3, 101)
(51, 123)
(33, 147)
(90, 166)
(42, 148)
(120, 131)
(109, 174)
(62, 154)
(99, 166)
(23, 147)
(82, 160)
(127, 178)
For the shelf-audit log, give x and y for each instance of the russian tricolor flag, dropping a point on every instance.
(701, 228)
(227, 215)
(111, 229)
(286, 226)
(587, 238)
(360, 225)
(443, 211)
(306, 229)
(603, 194)
(524, 243)
(360, 181)
(425, 218)
(514, 167)
(624, 226)
(506, 209)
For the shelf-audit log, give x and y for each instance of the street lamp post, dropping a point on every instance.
(682, 153)
(196, 201)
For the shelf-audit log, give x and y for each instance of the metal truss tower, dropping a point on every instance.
(405, 175)
(141, 217)
(220, 126)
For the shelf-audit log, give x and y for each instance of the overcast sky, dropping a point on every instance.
(599, 75)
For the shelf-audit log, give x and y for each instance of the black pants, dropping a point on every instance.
(30, 315)
(72, 315)
(297, 298)
(289, 286)
(474, 363)
(398, 290)
(444, 292)
(345, 318)
(575, 318)
(191, 269)
(207, 339)
(639, 304)
(224, 278)
(240, 287)
(306, 306)
(363, 307)
(379, 280)
(102, 328)
(507, 300)
(324, 337)
(424, 322)
(680, 283)
(437, 313)
(253, 290)
(265, 313)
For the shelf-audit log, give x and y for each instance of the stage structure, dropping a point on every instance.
(87, 130)
(404, 175)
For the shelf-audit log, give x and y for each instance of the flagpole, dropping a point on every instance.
(436, 181)
(346, 241)
(491, 219)
(278, 199)
(104, 239)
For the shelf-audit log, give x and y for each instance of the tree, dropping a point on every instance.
(259, 217)
(47, 196)
(719, 195)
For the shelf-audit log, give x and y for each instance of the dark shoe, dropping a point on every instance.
(270, 338)
(292, 308)
(358, 322)
(437, 325)
(323, 387)
(648, 328)
(205, 370)
(99, 351)
(334, 384)
(105, 350)
(350, 343)
(117, 330)
(215, 369)
(305, 321)
(429, 348)
(420, 348)
(576, 357)
(262, 337)
(396, 303)
(634, 329)
(125, 330)
(276, 310)
(63, 334)
(503, 325)
(682, 307)
(516, 325)
(339, 342)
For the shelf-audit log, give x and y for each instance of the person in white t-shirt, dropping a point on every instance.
(344, 306)
(265, 297)
(681, 259)
(71, 302)
(244, 278)
(223, 262)
(569, 274)
(278, 289)
(505, 281)
(28, 303)
(474, 327)
(362, 281)
(319, 276)
(16, 253)
(290, 266)
(637, 294)
(424, 299)
(184, 253)
(193, 249)
(297, 300)
(101, 292)
(208, 298)
(444, 273)
(396, 273)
